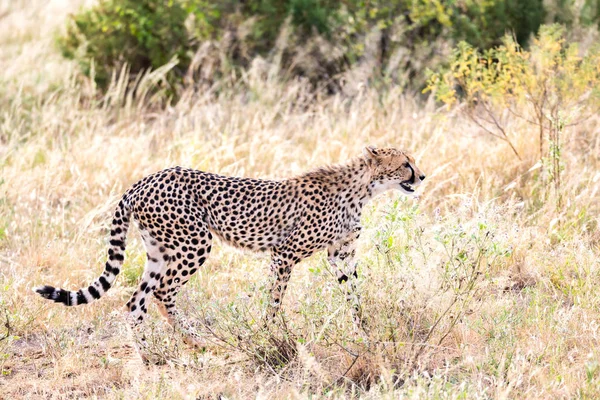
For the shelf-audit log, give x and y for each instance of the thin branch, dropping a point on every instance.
(501, 128)
(510, 110)
(504, 138)
(343, 376)
(479, 124)
(431, 330)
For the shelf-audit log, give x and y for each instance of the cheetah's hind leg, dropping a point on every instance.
(137, 305)
(188, 257)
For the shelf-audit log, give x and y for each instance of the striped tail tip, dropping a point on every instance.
(56, 295)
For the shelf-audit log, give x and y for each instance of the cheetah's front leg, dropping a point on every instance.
(281, 268)
(342, 257)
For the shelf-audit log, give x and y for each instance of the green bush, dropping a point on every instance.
(148, 33)
(263, 19)
(422, 28)
(142, 33)
(484, 23)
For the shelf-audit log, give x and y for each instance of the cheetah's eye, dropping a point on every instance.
(407, 165)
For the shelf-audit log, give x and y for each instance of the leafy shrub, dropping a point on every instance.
(325, 37)
(485, 23)
(148, 33)
(551, 86)
(550, 79)
(142, 33)
(414, 27)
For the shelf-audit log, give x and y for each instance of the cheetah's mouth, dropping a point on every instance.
(407, 186)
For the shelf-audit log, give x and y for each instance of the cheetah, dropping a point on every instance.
(180, 210)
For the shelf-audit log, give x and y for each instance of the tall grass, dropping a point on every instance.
(479, 288)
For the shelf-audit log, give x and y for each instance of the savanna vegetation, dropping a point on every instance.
(483, 286)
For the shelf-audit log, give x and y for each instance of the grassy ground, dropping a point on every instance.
(479, 288)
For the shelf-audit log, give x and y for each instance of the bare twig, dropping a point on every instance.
(503, 137)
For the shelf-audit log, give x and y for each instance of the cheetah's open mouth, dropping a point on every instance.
(407, 186)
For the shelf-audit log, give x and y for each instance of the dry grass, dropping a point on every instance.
(526, 325)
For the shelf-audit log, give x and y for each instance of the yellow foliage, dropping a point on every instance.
(509, 74)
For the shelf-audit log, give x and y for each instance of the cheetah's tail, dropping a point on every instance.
(116, 255)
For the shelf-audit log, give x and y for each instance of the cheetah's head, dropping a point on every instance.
(392, 169)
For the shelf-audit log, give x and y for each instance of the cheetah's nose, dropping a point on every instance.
(422, 177)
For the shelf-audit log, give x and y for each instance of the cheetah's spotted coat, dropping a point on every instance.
(179, 210)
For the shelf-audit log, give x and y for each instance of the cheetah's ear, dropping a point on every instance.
(371, 155)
